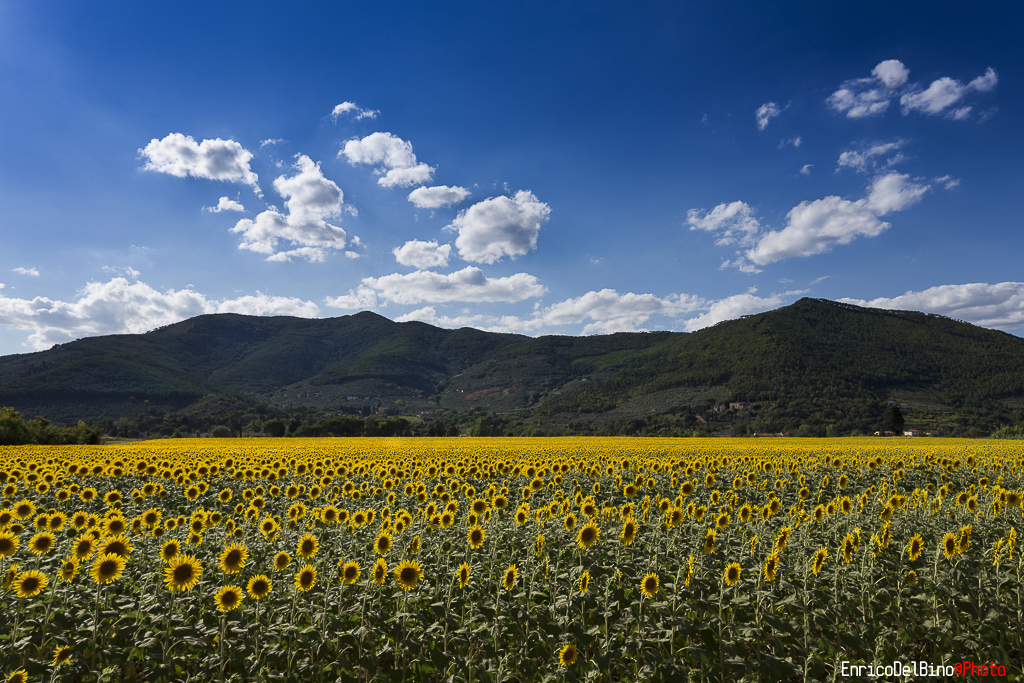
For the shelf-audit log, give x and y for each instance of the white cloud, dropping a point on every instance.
(815, 227)
(796, 141)
(734, 307)
(892, 73)
(310, 200)
(393, 156)
(437, 197)
(224, 204)
(862, 97)
(734, 222)
(944, 92)
(468, 284)
(180, 155)
(812, 227)
(999, 305)
(614, 312)
(500, 226)
(362, 298)
(894, 192)
(422, 255)
(351, 108)
(34, 272)
(806, 169)
(270, 141)
(866, 159)
(120, 306)
(765, 113)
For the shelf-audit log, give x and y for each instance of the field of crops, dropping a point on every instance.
(507, 559)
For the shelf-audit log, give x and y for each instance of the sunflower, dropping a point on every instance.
(819, 559)
(19, 676)
(12, 573)
(475, 537)
(911, 577)
(965, 539)
(107, 568)
(721, 521)
(771, 567)
(916, 547)
(259, 586)
(782, 538)
(68, 568)
(709, 541)
(849, 545)
(61, 654)
(308, 546)
(745, 513)
(117, 545)
(182, 573)
(649, 585)
(463, 574)
(8, 543)
(567, 656)
(24, 509)
(42, 543)
(350, 572)
(408, 574)
(689, 571)
(732, 573)
(30, 584)
(282, 560)
(509, 582)
(629, 529)
(170, 550)
(584, 582)
(305, 578)
(228, 598)
(588, 536)
(232, 560)
(949, 545)
(380, 571)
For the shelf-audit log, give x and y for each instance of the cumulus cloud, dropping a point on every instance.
(806, 169)
(34, 272)
(812, 227)
(894, 192)
(120, 306)
(422, 255)
(765, 113)
(351, 108)
(362, 298)
(310, 200)
(944, 92)
(469, 285)
(437, 197)
(863, 97)
(734, 307)
(734, 223)
(999, 305)
(500, 226)
(867, 158)
(225, 204)
(610, 311)
(180, 155)
(396, 163)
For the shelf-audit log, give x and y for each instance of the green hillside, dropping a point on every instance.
(814, 367)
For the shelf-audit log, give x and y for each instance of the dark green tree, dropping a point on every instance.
(893, 420)
(274, 427)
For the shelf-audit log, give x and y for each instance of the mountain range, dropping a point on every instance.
(813, 367)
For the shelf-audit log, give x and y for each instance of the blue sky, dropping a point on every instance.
(542, 168)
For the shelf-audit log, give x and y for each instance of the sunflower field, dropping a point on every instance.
(507, 559)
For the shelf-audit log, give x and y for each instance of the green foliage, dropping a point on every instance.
(814, 368)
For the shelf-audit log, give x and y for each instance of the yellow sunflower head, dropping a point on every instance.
(30, 584)
(107, 568)
(182, 572)
(305, 578)
(408, 574)
(228, 598)
(509, 581)
(649, 584)
(259, 587)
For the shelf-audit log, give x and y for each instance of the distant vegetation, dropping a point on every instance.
(814, 368)
(14, 430)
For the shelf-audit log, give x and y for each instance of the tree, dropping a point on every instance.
(221, 432)
(274, 427)
(482, 427)
(893, 420)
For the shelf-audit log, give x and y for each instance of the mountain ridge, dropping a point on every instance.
(802, 367)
